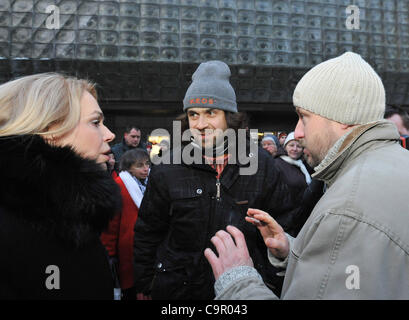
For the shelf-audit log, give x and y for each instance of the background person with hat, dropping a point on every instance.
(355, 244)
(185, 204)
(281, 137)
(270, 144)
(297, 175)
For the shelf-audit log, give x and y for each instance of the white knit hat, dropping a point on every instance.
(345, 89)
(289, 138)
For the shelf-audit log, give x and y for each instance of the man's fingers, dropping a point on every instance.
(214, 262)
(218, 243)
(260, 215)
(251, 211)
(238, 236)
(265, 217)
(279, 248)
(227, 240)
(273, 243)
(211, 257)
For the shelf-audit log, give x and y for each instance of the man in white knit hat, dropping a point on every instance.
(355, 244)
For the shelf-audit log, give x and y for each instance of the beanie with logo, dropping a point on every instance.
(210, 88)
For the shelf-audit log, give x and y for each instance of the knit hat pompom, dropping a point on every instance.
(345, 89)
(210, 88)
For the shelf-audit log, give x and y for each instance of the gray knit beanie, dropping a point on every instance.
(211, 88)
(345, 89)
(272, 138)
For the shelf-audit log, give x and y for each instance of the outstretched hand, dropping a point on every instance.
(230, 253)
(273, 234)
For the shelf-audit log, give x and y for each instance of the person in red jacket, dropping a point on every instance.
(118, 238)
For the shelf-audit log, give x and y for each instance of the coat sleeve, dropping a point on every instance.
(345, 255)
(340, 256)
(151, 229)
(242, 283)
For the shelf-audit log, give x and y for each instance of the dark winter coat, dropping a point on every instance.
(179, 215)
(120, 148)
(293, 177)
(53, 206)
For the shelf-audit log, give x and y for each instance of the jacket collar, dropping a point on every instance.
(54, 189)
(348, 147)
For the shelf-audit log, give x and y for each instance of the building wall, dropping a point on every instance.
(142, 53)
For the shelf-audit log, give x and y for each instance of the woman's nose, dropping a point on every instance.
(108, 135)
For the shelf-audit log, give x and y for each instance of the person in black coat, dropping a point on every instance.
(296, 173)
(56, 195)
(131, 140)
(186, 203)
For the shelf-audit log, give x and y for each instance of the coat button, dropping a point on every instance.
(199, 191)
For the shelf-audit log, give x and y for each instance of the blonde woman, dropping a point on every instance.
(56, 195)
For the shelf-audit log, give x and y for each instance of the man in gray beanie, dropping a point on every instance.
(355, 244)
(186, 203)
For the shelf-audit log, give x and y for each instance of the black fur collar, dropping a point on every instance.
(55, 190)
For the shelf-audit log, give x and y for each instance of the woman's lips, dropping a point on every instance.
(106, 157)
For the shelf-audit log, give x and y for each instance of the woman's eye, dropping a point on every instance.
(96, 123)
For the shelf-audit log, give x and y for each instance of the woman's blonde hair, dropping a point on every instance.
(33, 104)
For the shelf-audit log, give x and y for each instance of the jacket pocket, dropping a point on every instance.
(185, 197)
(169, 282)
(186, 189)
(188, 216)
(174, 282)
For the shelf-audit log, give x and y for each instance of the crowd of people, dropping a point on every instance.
(329, 195)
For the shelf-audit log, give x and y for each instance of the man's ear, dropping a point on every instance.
(342, 128)
(347, 127)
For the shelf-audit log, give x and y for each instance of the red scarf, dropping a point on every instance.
(215, 163)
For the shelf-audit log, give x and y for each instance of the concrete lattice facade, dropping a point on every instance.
(142, 53)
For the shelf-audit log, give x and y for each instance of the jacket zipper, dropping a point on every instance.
(213, 212)
(218, 189)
